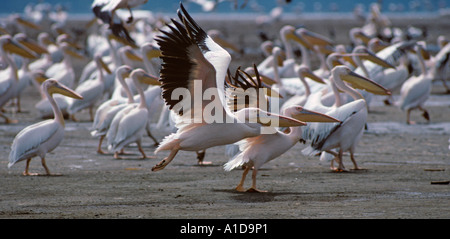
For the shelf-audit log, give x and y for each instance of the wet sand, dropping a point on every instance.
(401, 163)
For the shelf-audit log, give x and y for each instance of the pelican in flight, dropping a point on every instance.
(416, 90)
(353, 115)
(194, 65)
(106, 11)
(43, 137)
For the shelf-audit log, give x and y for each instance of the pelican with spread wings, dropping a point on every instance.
(192, 78)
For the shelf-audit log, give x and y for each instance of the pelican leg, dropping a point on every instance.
(253, 189)
(130, 18)
(99, 148)
(340, 167)
(408, 117)
(352, 157)
(91, 113)
(152, 137)
(27, 166)
(425, 113)
(163, 163)
(336, 158)
(8, 120)
(143, 153)
(240, 186)
(201, 156)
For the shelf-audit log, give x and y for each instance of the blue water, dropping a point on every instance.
(296, 6)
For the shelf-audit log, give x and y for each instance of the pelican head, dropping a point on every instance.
(98, 59)
(68, 50)
(357, 81)
(141, 76)
(264, 118)
(218, 37)
(288, 32)
(130, 53)
(370, 56)
(54, 87)
(150, 51)
(39, 76)
(302, 114)
(12, 46)
(124, 71)
(304, 71)
(30, 43)
(313, 38)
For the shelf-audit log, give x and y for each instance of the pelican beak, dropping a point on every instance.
(280, 58)
(123, 41)
(313, 77)
(275, 120)
(149, 79)
(154, 53)
(64, 90)
(226, 44)
(27, 23)
(32, 45)
(15, 47)
(295, 37)
(74, 54)
(314, 38)
(3, 31)
(359, 82)
(40, 77)
(133, 56)
(364, 38)
(105, 66)
(91, 22)
(375, 59)
(312, 116)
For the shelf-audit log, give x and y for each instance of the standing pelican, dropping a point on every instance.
(194, 65)
(345, 135)
(129, 124)
(256, 151)
(43, 137)
(107, 110)
(9, 79)
(92, 91)
(416, 90)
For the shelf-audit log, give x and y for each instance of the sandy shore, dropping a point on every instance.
(401, 161)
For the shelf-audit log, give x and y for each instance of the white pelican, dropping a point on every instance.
(416, 90)
(345, 135)
(256, 151)
(129, 124)
(8, 77)
(25, 74)
(300, 100)
(64, 71)
(440, 64)
(105, 10)
(92, 91)
(107, 110)
(193, 64)
(43, 137)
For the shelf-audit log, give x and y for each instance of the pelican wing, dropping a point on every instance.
(130, 125)
(190, 59)
(318, 133)
(28, 141)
